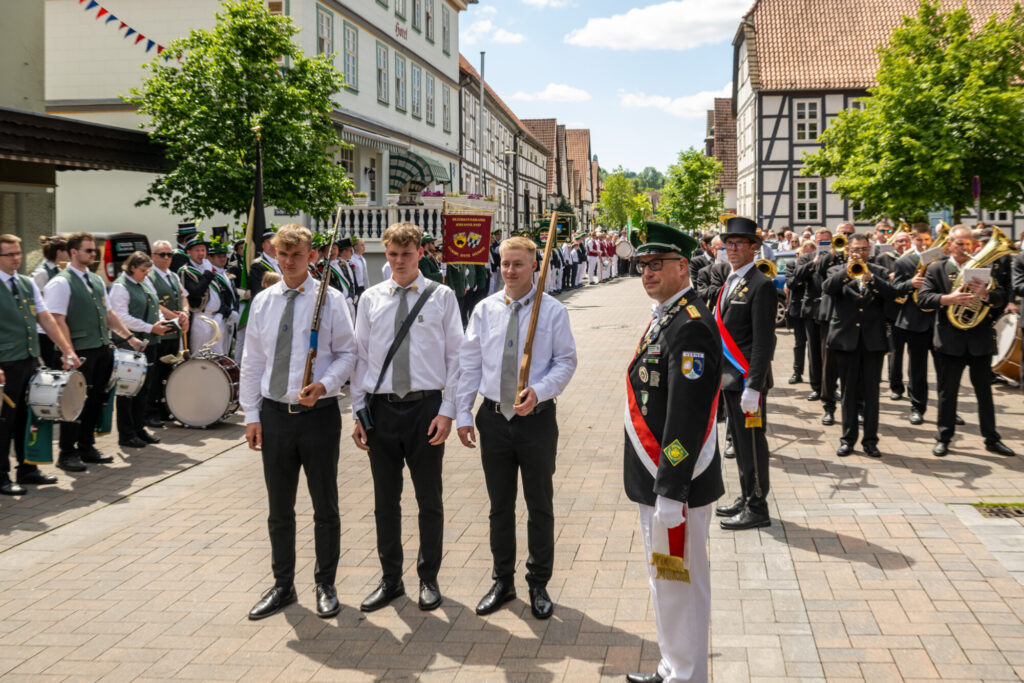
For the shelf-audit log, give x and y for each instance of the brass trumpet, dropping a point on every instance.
(839, 243)
(856, 269)
(768, 268)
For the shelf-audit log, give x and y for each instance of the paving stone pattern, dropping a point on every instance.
(872, 570)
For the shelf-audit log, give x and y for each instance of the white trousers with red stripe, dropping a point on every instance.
(682, 611)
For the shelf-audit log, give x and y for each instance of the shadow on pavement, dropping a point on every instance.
(849, 548)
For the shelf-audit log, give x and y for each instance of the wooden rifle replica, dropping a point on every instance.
(524, 367)
(314, 331)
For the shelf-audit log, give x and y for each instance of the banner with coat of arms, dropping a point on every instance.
(467, 238)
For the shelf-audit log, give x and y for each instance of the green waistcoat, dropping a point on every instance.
(18, 336)
(455, 277)
(87, 311)
(141, 304)
(169, 296)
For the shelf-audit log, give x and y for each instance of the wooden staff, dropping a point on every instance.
(314, 330)
(524, 368)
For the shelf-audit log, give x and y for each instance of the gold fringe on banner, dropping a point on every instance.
(670, 567)
(452, 207)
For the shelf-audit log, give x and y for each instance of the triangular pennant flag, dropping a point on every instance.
(149, 45)
(159, 49)
(121, 26)
(140, 39)
(80, 1)
(129, 32)
(92, 3)
(101, 12)
(110, 19)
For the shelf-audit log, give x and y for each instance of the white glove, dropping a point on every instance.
(668, 513)
(234, 318)
(750, 400)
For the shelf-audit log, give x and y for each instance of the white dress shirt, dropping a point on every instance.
(336, 347)
(58, 292)
(37, 296)
(385, 271)
(734, 278)
(358, 264)
(434, 341)
(40, 276)
(554, 351)
(119, 298)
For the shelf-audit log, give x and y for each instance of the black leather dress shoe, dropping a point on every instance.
(145, 436)
(795, 379)
(959, 421)
(430, 596)
(731, 509)
(499, 594)
(382, 596)
(71, 463)
(940, 449)
(132, 442)
(36, 477)
(872, 451)
(94, 456)
(813, 396)
(916, 418)
(730, 451)
(327, 604)
(153, 422)
(828, 419)
(540, 604)
(895, 397)
(9, 488)
(999, 448)
(272, 602)
(844, 450)
(747, 519)
(644, 678)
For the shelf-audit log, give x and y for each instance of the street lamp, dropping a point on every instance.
(508, 154)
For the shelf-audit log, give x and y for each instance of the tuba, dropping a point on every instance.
(969, 316)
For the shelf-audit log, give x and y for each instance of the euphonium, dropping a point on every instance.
(904, 228)
(856, 269)
(966, 317)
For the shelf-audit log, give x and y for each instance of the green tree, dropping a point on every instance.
(948, 106)
(639, 208)
(690, 197)
(616, 200)
(229, 81)
(650, 179)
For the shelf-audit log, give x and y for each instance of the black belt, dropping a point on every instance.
(539, 408)
(408, 398)
(295, 408)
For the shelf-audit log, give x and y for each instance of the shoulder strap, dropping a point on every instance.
(404, 330)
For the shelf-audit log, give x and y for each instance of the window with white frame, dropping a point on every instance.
(417, 14)
(399, 82)
(806, 120)
(857, 104)
(446, 108)
(373, 183)
(324, 31)
(382, 73)
(856, 211)
(347, 159)
(417, 76)
(400, 6)
(446, 30)
(428, 20)
(997, 216)
(351, 56)
(808, 202)
(430, 99)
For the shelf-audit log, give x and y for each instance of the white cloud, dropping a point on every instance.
(547, 3)
(676, 25)
(486, 10)
(686, 107)
(476, 31)
(554, 92)
(507, 37)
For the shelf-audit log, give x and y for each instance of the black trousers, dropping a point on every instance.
(829, 370)
(463, 313)
(897, 344)
(799, 343)
(309, 441)
(950, 370)
(79, 435)
(13, 420)
(919, 347)
(858, 371)
(526, 445)
(751, 446)
(574, 269)
(399, 437)
(814, 350)
(155, 405)
(131, 410)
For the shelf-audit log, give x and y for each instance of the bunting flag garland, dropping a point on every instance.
(123, 26)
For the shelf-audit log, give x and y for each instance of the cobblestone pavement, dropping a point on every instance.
(871, 570)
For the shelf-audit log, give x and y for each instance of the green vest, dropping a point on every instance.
(18, 336)
(141, 304)
(428, 266)
(170, 297)
(87, 311)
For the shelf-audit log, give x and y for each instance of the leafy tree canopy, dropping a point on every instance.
(690, 197)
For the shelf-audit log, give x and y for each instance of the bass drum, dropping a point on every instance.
(1008, 347)
(203, 390)
(57, 395)
(624, 250)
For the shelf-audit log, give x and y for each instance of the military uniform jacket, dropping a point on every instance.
(699, 263)
(795, 300)
(178, 259)
(825, 264)
(749, 315)
(430, 269)
(802, 274)
(977, 341)
(858, 314)
(196, 283)
(671, 447)
(710, 280)
(910, 316)
(886, 261)
(257, 269)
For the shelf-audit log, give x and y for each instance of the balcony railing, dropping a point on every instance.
(370, 222)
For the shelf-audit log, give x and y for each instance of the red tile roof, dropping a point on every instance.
(577, 146)
(545, 130)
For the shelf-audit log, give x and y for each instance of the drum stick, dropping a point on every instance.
(524, 368)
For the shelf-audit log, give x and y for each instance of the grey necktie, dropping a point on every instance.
(510, 363)
(283, 348)
(401, 379)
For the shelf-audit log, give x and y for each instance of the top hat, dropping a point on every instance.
(738, 226)
(186, 229)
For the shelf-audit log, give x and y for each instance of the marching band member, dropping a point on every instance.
(829, 371)
(204, 298)
(172, 297)
(796, 314)
(516, 438)
(914, 328)
(228, 314)
(294, 426)
(55, 251)
(804, 273)
(179, 257)
(22, 308)
(672, 468)
(593, 259)
(429, 266)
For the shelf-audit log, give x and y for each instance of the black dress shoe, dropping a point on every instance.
(940, 449)
(132, 442)
(730, 452)
(36, 477)
(747, 519)
(143, 435)
(94, 456)
(153, 422)
(644, 678)
(9, 488)
(272, 602)
(430, 596)
(732, 509)
(895, 397)
(959, 421)
(916, 418)
(814, 396)
(795, 379)
(828, 419)
(327, 604)
(872, 451)
(999, 448)
(382, 596)
(540, 604)
(71, 463)
(499, 594)
(844, 450)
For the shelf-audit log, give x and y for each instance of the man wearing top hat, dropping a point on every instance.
(745, 306)
(672, 468)
(179, 257)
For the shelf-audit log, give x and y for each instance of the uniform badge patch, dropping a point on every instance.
(654, 349)
(693, 364)
(655, 379)
(644, 376)
(694, 313)
(675, 452)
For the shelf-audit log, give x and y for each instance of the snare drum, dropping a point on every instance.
(57, 395)
(203, 390)
(1008, 346)
(624, 250)
(129, 372)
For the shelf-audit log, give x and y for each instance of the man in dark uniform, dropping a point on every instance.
(710, 280)
(858, 339)
(179, 257)
(805, 274)
(265, 263)
(703, 257)
(745, 307)
(672, 468)
(795, 321)
(429, 266)
(956, 348)
(829, 370)
(1018, 292)
(914, 327)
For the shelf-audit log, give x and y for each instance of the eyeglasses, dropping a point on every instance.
(12, 253)
(89, 251)
(736, 245)
(654, 264)
(163, 254)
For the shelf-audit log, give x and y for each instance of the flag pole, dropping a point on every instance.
(524, 368)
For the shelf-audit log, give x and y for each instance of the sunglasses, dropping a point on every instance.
(163, 254)
(89, 251)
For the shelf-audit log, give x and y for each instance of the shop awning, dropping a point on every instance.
(381, 143)
(411, 172)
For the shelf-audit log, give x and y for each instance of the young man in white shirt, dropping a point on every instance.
(411, 403)
(517, 433)
(296, 425)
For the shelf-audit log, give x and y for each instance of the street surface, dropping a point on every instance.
(872, 570)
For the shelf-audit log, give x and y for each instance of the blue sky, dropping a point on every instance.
(640, 75)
